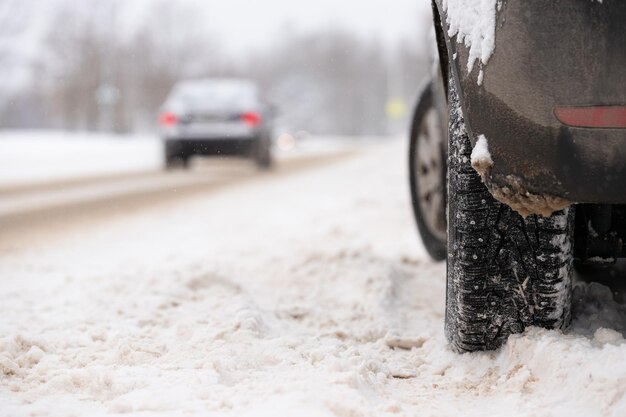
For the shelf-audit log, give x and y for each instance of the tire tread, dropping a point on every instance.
(505, 273)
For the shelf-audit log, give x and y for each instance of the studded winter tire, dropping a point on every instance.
(504, 272)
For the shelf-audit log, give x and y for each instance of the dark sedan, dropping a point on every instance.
(222, 117)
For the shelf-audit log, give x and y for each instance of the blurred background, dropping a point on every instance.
(85, 83)
(342, 68)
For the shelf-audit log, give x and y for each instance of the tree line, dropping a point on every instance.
(93, 74)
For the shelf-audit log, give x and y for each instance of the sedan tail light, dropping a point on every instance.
(167, 119)
(609, 117)
(250, 118)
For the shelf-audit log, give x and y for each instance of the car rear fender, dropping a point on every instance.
(546, 55)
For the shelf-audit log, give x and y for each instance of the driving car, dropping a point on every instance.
(223, 117)
(518, 158)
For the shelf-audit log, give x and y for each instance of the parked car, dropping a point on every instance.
(224, 117)
(530, 172)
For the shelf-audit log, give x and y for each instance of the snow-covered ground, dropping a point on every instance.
(299, 295)
(32, 157)
(35, 157)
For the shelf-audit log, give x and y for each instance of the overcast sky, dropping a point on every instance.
(249, 24)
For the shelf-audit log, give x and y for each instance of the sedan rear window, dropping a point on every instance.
(214, 94)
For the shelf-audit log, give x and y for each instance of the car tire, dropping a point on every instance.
(263, 154)
(176, 162)
(175, 157)
(427, 175)
(504, 272)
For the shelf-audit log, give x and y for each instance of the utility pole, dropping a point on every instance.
(107, 94)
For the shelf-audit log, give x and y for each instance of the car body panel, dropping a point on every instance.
(548, 54)
(210, 131)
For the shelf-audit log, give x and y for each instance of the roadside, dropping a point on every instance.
(32, 158)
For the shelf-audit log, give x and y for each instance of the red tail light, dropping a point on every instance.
(250, 118)
(610, 117)
(167, 119)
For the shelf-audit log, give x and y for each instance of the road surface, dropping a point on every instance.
(43, 208)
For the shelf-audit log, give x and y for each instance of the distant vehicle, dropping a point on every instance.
(530, 172)
(222, 117)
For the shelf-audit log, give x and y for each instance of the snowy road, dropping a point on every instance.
(41, 208)
(305, 294)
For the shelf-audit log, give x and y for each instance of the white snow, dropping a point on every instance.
(301, 295)
(473, 22)
(481, 158)
(41, 156)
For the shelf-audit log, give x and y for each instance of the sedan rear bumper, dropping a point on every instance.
(221, 146)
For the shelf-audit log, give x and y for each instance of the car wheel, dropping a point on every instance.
(176, 162)
(263, 154)
(175, 157)
(504, 272)
(427, 174)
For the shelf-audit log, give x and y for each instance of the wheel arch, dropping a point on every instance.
(442, 48)
(448, 66)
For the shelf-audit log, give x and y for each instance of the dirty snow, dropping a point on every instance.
(306, 295)
(473, 22)
(481, 158)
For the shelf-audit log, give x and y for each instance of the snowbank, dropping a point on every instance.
(306, 295)
(30, 157)
(42, 156)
